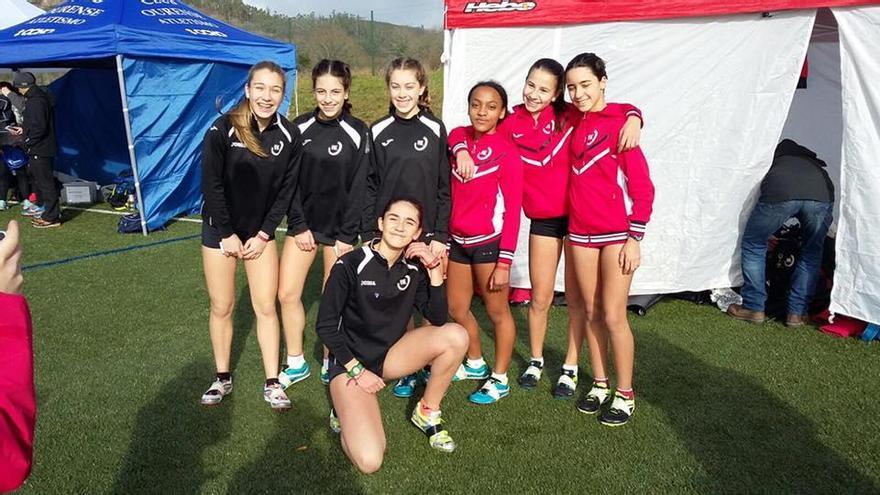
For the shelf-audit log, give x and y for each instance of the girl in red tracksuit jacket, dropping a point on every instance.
(541, 129)
(610, 196)
(483, 228)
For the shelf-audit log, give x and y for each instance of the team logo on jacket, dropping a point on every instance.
(387, 142)
(403, 283)
(335, 149)
(517, 136)
(306, 141)
(276, 148)
(548, 129)
(484, 155)
(421, 144)
(495, 7)
(592, 137)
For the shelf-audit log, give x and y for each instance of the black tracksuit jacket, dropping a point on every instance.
(410, 158)
(366, 305)
(330, 187)
(243, 192)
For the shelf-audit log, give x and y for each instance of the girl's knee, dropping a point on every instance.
(369, 461)
(222, 309)
(456, 336)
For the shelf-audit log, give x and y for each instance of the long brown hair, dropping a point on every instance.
(405, 63)
(242, 117)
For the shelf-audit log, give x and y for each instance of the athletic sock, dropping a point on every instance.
(272, 381)
(325, 363)
(570, 367)
(627, 394)
(224, 377)
(501, 377)
(601, 382)
(539, 360)
(425, 409)
(476, 363)
(295, 361)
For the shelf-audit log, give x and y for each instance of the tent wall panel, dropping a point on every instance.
(857, 278)
(714, 97)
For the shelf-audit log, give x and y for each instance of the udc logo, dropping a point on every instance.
(403, 283)
(421, 144)
(276, 148)
(592, 137)
(484, 155)
(548, 129)
(335, 149)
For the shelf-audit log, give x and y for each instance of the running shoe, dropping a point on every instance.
(532, 375)
(405, 386)
(465, 372)
(275, 396)
(216, 392)
(432, 426)
(289, 376)
(491, 392)
(619, 412)
(42, 223)
(335, 425)
(34, 211)
(566, 385)
(26, 205)
(598, 396)
(325, 375)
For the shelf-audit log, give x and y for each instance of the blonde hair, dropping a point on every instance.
(242, 117)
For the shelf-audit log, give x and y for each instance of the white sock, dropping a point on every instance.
(501, 377)
(571, 367)
(326, 363)
(295, 361)
(539, 359)
(476, 363)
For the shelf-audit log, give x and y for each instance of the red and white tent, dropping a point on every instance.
(716, 82)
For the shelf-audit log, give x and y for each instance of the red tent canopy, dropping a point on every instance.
(504, 13)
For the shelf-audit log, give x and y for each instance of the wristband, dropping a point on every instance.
(355, 370)
(263, 236)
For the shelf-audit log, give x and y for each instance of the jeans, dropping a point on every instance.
(815, 219)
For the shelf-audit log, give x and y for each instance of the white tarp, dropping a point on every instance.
(16, 11)
(857, 277)
(715, 93)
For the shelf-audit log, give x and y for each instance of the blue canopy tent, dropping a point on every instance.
(172, 67)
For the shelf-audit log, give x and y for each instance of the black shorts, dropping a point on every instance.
(211, 236)
(474, 255)
(322, 239)
(550, 227)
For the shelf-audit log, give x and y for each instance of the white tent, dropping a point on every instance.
(17, 11)
(716, 93)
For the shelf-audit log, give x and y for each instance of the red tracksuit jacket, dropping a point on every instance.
(488, 206)
(544, 153)
(610, 194)
(17, 400)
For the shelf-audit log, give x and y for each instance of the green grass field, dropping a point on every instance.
(122, 356)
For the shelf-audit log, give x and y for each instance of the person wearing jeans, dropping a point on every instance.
(798, 186)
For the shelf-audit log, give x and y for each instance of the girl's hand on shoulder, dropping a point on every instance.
(464, 165)
(630, 134)
(630, 257)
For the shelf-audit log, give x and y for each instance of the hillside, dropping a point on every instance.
(354, 40)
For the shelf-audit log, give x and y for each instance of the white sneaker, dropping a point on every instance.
(275, 396)
(216, 392)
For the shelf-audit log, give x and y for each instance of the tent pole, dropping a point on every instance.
(131, 155)
(296, 92)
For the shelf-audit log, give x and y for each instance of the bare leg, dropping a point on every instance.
(498, 308)
(294, 270)
(220, 280)
(442, 347)
(262, 274)
(543, 260)
(577, 318)
(615, 291)
(586, 261)
(362, 435)
(459, 293)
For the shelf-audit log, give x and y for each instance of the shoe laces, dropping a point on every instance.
(622, 404)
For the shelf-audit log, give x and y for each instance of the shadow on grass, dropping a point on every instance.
(173, 431)
(303, 456)
(745, 438)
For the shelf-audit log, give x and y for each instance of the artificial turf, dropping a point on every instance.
(122, 356)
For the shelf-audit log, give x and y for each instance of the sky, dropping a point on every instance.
(427, 13)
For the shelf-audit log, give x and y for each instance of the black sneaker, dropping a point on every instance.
(566, 385)
(531, 376)
(620, 411)
(598, 396)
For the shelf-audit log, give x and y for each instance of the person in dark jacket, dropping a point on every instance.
(249, 165)
(797, 185)
(366, 304)
(38, 129)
